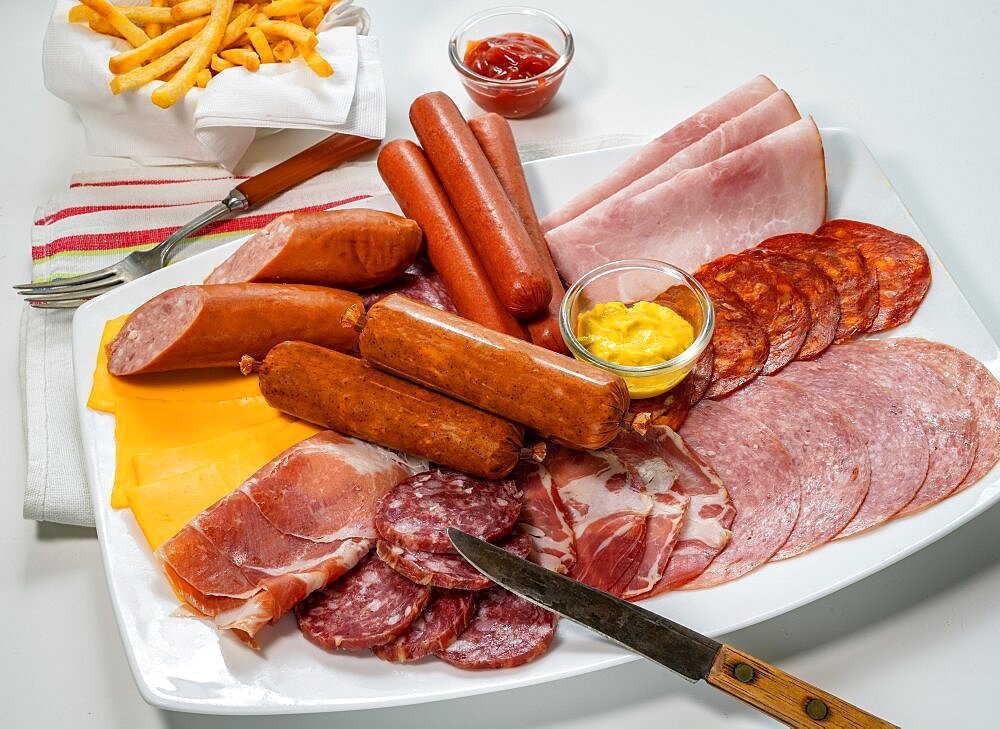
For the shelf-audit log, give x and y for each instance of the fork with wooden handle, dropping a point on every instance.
(71, 292)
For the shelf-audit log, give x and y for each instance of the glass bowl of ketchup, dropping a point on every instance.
(511, 60)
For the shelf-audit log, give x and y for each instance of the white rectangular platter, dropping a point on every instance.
(185, 664)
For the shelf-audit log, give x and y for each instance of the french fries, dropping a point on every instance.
(183, 43)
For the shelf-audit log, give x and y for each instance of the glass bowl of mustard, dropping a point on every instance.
(644, 320)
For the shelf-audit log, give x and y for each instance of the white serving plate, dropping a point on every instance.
(185, 664)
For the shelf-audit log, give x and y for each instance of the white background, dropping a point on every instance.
(919, 82)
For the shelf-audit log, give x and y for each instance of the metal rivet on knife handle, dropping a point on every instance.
(743, 672)
(816, 709)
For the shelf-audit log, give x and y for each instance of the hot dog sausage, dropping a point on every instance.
(496, 231)
(348, 395)
(494, 135)
(346, 249)
(568, 401)
(190, 327)
(412, 181)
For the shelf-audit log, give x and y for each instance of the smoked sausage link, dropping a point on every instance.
(346, 394)
(496, 231)
(191, 327)
(346, 249)
(496, 138)
(411, 180)
(570, 402)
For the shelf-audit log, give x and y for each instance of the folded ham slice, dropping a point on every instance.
(664, 147)
(775, 185)
(300, 522)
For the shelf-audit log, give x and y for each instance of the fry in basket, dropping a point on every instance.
(220, 64)
(155, 69)
(207, 42)
(191, 9)
(283, 50)
(204, 76)
(284, 29)
(237, 27)
(156, 47)
(312, 19)
(129, 30)
(316, 62)
(242, 57)
(259, 42)
(155, 29)
(280, 8)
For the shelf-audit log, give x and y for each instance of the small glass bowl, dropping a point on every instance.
(641, 280)
(512, 98)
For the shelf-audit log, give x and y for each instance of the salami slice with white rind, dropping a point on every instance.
(442, 621)
(416, 514)
(506, 631)
(450, 571)
(371, 605)
(761, 479)
(828, 452)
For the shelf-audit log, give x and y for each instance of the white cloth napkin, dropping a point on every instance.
(215, 125)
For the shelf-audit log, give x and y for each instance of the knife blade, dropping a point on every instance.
(684, 651)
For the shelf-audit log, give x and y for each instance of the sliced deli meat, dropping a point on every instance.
(370, 606)
(542, 518)
(449, 571)
(701, 375)
(900, 265)
(761, 479)
(857, 287)
(416, 514)
(661, 149)
(827, 450)
(607, 506)
(739, 343)
(506, 631)
(774, 185)
(419, 282)
(441, 622)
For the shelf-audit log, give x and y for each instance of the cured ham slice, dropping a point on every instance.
(828, 452)
(542, 520)
(705, 530)
(664, 147)
(761, 478)
(607, 507)
(665, 518)
(233, 564)
(772, 186)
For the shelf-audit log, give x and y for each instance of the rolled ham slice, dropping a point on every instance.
(772, 186)
(664, 147)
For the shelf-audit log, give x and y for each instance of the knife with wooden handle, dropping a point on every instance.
(693, 655)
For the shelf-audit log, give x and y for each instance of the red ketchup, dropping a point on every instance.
(512, 57)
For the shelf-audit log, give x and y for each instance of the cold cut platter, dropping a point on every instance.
(186, 664)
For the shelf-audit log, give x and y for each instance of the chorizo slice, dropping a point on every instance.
(701, 375)
(900, 264)
(442, 621)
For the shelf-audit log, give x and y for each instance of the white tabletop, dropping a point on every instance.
(919, 82)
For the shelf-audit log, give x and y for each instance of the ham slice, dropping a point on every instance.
(607, 507)
(243, 566)
(664, 147)
(772, 186)
(542, 518)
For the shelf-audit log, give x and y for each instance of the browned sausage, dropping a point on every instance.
(190, 327)
(412, 181)
(571, 402)
(346, 249)
(508, 255)
(346, 394)
(495, 136)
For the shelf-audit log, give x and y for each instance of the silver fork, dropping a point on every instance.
(71, 292)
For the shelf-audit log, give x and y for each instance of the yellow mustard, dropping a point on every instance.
(636, 336)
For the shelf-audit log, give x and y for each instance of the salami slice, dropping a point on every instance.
(705, 530)
(442, 621)
(900, 265)
(828, 452)
(856, 284)
(506, 631)
(771, 298)
(976, 383)
(739, 344)
(416, 514)
(542, 518)
(701, 375)
(420, 282)
(761, 479)
(898, 451)
(819, 294)
(947, 417)
(445, 570)
(371, 605)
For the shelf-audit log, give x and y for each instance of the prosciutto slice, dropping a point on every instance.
(542, 519)
(664, 147)
(607, 507)
(772, 186)
(236, 563)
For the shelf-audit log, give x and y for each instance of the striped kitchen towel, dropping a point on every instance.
(102, 217)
